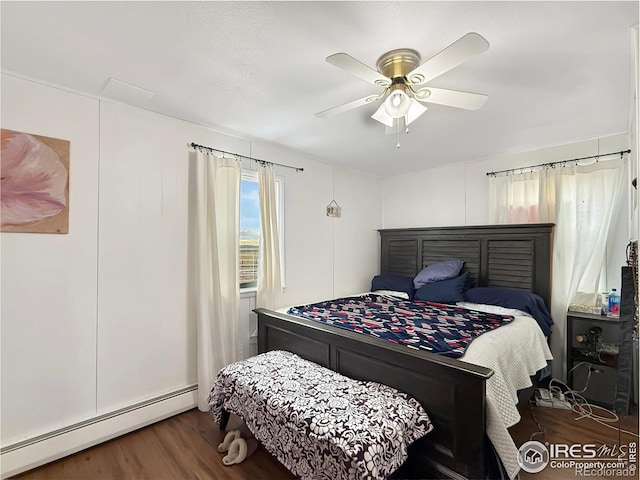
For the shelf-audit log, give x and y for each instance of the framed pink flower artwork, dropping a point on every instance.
(34, 183)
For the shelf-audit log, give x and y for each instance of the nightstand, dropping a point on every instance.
(594, 343)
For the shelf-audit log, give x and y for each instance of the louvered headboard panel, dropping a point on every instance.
(403, 256)
(517, 256)
(510, 263)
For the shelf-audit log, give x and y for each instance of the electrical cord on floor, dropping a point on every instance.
(579, 405)
(585, 409)
(541, 430)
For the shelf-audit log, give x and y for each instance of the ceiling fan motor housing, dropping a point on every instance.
(396, 64)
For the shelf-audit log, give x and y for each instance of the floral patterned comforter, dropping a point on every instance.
(318, 423)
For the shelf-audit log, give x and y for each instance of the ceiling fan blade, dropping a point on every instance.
(359, 69)
(348, 106)
(454, 98)
(460, 51)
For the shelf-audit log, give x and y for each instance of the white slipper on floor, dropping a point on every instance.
(237, 452)
(228, 440)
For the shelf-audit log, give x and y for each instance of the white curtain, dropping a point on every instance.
(270, 277)
(514, 198)
(579, 199)
(222, 337)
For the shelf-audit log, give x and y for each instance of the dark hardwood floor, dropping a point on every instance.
(181, 447)
(185, 447)
(561, 426)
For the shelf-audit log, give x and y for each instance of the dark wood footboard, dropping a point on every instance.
(451, 391)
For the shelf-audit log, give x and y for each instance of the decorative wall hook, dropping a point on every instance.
(333, 209)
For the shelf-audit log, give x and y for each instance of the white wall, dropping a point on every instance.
(356, 239)
(102, 318)
(145, 333)
(49, 294)
(429, 198)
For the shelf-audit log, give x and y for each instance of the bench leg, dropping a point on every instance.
(224, 419)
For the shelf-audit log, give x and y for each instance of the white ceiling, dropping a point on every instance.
(556, 72)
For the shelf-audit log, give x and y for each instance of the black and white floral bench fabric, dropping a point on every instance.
(318, 423)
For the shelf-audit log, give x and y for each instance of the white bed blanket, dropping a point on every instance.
(514, 352)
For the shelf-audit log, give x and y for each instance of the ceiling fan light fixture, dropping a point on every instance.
(397, 103)
(415, 110)
(381, 116)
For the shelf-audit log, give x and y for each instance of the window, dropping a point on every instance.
(250, 228)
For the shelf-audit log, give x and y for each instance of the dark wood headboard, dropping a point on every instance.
(516, 256)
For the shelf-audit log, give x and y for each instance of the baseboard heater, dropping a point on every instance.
(27, 454)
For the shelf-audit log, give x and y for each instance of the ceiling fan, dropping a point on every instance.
(403, 80)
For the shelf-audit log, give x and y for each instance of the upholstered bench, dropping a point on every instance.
(318, 423)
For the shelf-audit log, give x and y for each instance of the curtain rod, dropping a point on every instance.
(552, 164)
(211, 149)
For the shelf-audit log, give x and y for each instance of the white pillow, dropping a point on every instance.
(496, 309)
(392, 293)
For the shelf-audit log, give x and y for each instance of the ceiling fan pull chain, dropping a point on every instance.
(398, 144)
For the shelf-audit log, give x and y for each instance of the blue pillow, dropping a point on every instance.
(514, 298)
(444, 291)
(388, 281)
(438, 271)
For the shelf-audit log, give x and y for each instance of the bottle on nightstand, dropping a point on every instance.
(605, 303)
(614, 303)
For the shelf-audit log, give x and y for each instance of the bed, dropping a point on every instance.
(453, 391)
